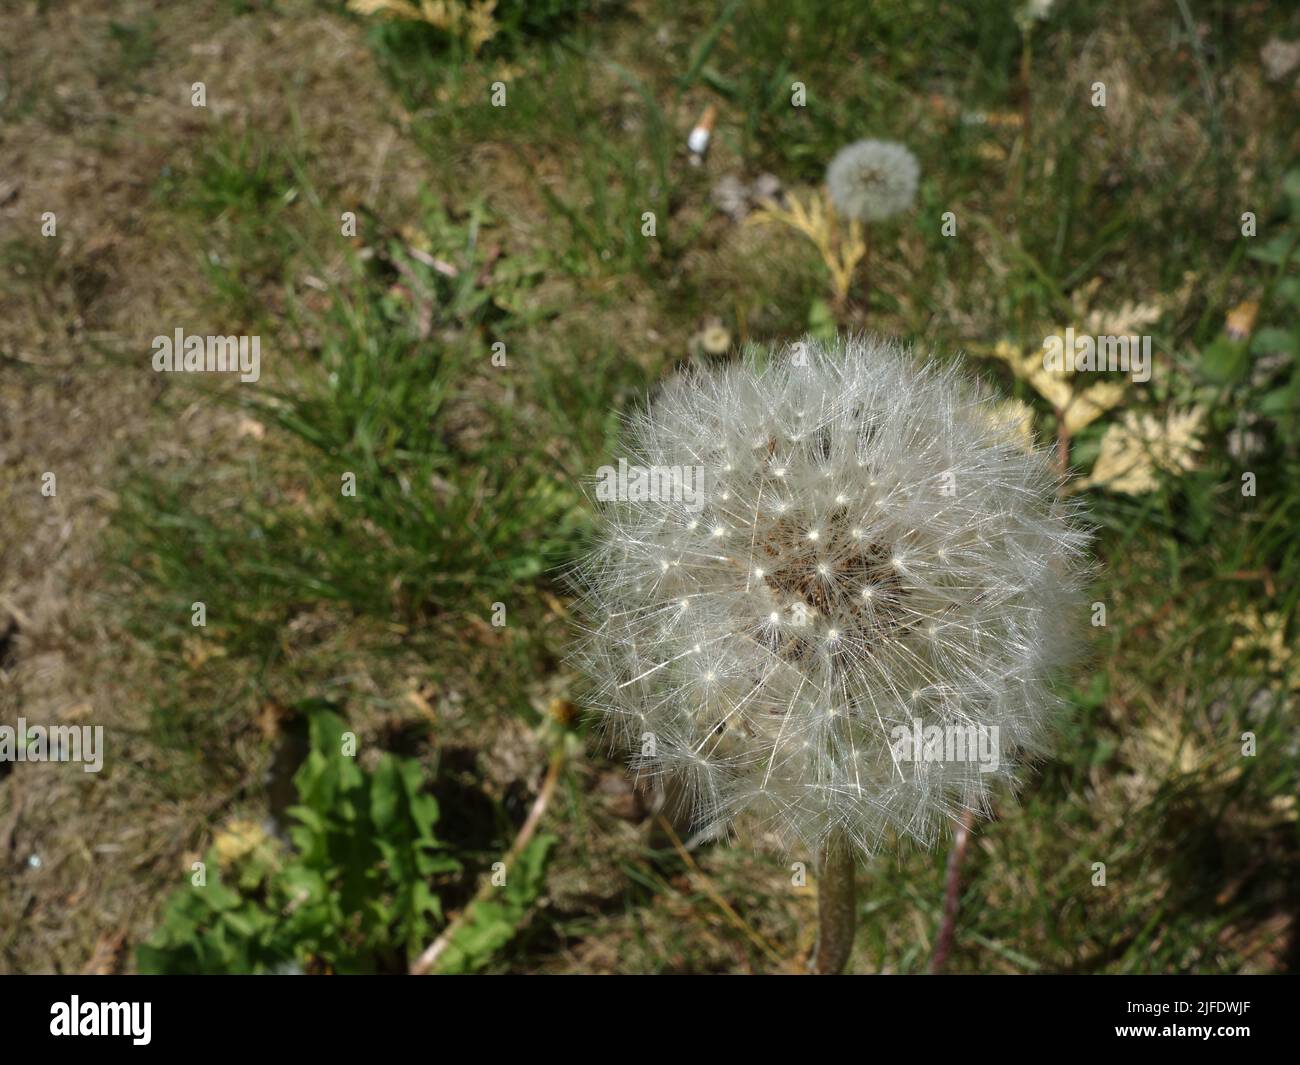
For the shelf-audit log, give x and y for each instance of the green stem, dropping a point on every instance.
(836, 908)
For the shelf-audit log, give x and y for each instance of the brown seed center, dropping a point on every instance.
(840, 577)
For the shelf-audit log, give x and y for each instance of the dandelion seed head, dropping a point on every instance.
(774, 666)
(872, 180)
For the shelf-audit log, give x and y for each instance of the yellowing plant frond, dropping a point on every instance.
(1134, 450)
(470, 20)
(841, 251)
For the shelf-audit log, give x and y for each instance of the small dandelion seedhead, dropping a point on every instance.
(872, 180)
(891, 555)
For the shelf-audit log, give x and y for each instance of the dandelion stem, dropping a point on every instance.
(865, 268)
(1062, 444)
(952, 893)
(836, 908)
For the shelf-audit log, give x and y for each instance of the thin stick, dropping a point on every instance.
(425, 962)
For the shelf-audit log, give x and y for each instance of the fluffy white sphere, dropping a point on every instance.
(872, 180)
(868, 549)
